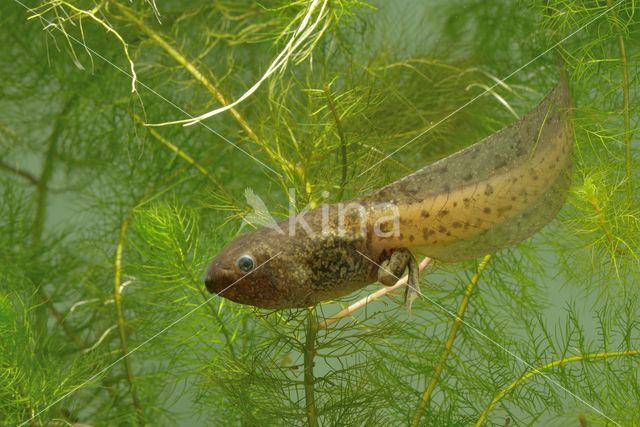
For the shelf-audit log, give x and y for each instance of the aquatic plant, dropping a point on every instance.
(107, 222)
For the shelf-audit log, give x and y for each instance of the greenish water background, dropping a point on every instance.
(555, 286)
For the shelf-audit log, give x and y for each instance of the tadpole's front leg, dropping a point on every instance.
(392, 269)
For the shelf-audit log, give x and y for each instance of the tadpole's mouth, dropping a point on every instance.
(217, 279)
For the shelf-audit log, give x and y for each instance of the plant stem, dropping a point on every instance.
(92, 15)
(181, 59)
(117, 296)
(42, 193)
(535, 371)
(426, 396)
(42, 189)
(625, 99)
(309, 354)
(369, 298)
(214, 312)
(19, 172)
(184, 156)
(191, 68)
(275, 155)
(602, 221)
(60, 320)
(582, 420)
(343, 138)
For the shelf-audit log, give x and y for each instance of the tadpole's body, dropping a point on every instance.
(488, 196)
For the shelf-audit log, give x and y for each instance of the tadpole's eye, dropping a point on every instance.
(246, 263)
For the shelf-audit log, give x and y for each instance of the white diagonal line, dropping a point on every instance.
(489, 89)
(172, 324)
(125, 72)
(494, 342)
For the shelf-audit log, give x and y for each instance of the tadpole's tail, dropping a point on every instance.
(492, 194)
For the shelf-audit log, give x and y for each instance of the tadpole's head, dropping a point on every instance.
(259, 268)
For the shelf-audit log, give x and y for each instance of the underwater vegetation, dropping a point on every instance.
(138, 138)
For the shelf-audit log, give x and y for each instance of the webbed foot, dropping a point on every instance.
(392, 269)
(413, 284)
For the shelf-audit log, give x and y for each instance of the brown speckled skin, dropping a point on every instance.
(489, 196)
(296, 271)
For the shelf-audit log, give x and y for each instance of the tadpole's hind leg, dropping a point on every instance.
(413, 284)
(392, 269)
